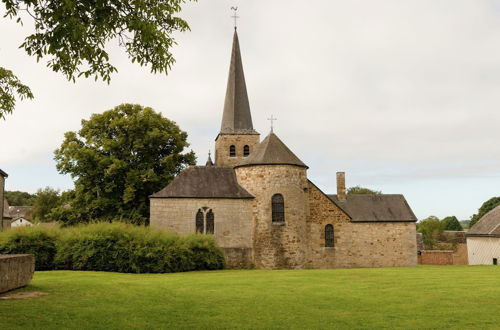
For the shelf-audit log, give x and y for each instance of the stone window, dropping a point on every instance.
(205, 221)
(210, 222)
(329, 236)
(246, 151)
(232, 151)
(199, 222)
(278, 208)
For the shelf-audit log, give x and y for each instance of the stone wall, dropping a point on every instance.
(357, 244)
(233, 222)
(436, 257)
(277, 245)
(16, 270)
(224, 141)
(458, 256)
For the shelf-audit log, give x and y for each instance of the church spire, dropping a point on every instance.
(236, 118)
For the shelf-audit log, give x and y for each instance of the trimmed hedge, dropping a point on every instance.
(113, 247)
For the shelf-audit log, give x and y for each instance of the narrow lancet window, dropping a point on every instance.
(232, 151)
(199, 222)
(210, 222)
(329, 236)
(278, 208)
(246, 151)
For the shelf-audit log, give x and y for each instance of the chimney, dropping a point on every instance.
(341, 186)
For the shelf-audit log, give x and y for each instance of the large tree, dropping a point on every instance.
(451, 223)
(487, 206)
(74, 34)
(430, 228)
(117, 159)
(46, 200)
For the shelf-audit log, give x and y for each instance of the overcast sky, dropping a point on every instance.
(403, 96)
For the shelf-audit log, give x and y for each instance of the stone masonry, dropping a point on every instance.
(363, 244)
(224, 142)
(233, 223)
(277, 245)
(16, 270)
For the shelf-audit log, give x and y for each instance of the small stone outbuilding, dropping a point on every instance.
(265, 212)
(483, 240)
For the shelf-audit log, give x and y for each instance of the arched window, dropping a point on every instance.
(329, 236)
(246, 151)
(199, 222)
(232, 151)
(205, 221)
(278, 208)
(210, 222)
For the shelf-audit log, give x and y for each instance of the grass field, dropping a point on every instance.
(461, 297)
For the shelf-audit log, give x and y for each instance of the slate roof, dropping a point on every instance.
(488, 225)
(376, 208)
(272, 151)
(236, 118)
(2, 173)
(25, 212)
(204, 182)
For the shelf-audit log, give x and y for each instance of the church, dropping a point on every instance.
(264, 212)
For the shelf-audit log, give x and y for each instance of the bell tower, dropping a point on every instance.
(237, 139)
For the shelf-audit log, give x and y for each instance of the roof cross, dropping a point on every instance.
(272, 119)
(235, 16)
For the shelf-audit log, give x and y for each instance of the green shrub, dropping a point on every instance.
(114, 247)
(205, 254)
(38, 241)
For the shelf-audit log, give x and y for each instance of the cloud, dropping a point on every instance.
(393, 92)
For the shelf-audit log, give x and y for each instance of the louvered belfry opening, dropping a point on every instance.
(278, 208)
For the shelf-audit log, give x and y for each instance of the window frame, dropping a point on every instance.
(329, 236)
(278, 208)
(232, 150)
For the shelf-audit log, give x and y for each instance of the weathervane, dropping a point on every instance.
(272, 119)
(235, 16)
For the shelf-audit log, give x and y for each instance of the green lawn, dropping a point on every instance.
(461, 297)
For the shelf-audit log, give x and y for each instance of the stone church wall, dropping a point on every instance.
(233, 223)
(357, 244)
(277, 245)
(224, 141)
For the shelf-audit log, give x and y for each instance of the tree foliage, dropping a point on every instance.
(430, 228)
(361, 190)
(487, 206)
(19, 198)
(74, 35)
(451, 223)
(117, 159)
(46, 200)
(10, 88)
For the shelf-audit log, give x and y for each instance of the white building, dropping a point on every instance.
(20, 222)
(483, 240)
